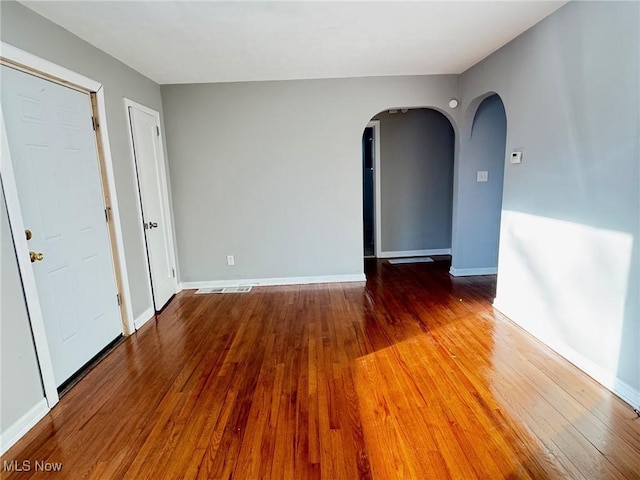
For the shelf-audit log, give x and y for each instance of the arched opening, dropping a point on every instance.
(408, 163)
(480, 186)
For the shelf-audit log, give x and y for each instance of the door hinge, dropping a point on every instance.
(118, 299)
(94, 123)
(158, 130)
(107, 214)
(173, 272)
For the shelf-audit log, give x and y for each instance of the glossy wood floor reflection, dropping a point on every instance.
(412, 375)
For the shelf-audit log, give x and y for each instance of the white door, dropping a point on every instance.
(55, 162)
(145, 130)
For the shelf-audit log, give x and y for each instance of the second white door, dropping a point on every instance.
(147, 149)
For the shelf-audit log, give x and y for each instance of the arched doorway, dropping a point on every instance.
(408, 159)
(479, 189)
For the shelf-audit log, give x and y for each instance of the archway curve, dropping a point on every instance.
(445, 113)
(469, 114)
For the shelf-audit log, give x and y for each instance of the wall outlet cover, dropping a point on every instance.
(482, 176)
(516, 157)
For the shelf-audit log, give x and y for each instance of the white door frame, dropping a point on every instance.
(377, 227)
(16, 58)
(165, 199)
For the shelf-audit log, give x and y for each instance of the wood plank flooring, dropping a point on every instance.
(413, 376)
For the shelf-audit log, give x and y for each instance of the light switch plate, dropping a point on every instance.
(516, 157)
(482, 176)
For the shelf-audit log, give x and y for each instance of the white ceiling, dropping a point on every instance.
(214, 41)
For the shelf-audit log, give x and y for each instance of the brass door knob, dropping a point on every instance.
(35, 257)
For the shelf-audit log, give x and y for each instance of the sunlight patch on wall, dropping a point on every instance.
(566, 283)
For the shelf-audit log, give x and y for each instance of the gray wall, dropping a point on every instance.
(21, 388)
(416, 180)
(569, 245)
(271, 172)
(479, 203)
(26, 30)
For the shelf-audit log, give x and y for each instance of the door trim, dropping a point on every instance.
(377, 227)
(32, 64)
(115, 226)
(21, 247)
(165, 195)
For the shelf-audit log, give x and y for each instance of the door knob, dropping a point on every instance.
(35, 257)
(152, 225)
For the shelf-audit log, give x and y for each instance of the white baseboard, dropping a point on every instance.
(607, 379)
(415, 253)
(625, 391)
(468, 272)
(15, 432)
(263, 282)
(144, 317)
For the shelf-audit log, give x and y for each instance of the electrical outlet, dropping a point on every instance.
(231, 261)
(482, 176)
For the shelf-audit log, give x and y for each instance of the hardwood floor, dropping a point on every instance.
(412, 376)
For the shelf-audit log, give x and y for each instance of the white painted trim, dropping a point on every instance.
(622, 389)
(377, 238)
(31, 61)
(469, 272)
(607, 379)
(143, 318)
(26, 272)
(20, 427)
(165, 191)
(415, 253)
(264, 282)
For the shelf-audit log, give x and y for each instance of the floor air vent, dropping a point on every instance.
(398, 261)
(241, 289)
